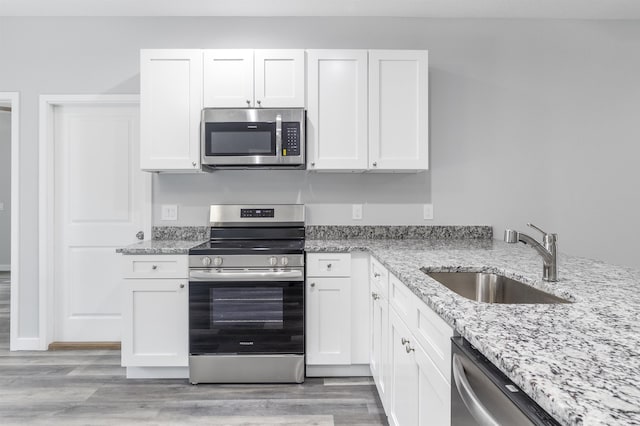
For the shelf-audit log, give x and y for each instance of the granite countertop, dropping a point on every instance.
(579, 361)
(160, 247)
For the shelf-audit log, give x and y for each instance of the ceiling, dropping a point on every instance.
(554, 9)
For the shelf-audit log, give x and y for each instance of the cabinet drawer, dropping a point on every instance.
(433, 334)
(164, 266)
(400, 300)
(328, 264)
(379, 278)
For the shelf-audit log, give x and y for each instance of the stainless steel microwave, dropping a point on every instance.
(243, 138)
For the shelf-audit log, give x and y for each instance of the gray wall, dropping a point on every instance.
(530, 121)
(5, 190)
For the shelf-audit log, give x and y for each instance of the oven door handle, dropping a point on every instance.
(293, 275)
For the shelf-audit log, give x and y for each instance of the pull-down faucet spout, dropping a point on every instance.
(548, 249)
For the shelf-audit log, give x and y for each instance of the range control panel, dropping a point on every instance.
(257, 212)
(290, 138)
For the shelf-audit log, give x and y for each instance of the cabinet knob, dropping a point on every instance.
(328, 266)
(405, 341)
(376, 275)
(375, 296)
(248, 103)
(375, 164)
(409, 349)
(313, 284)
(313, 164)
(194, 163)
(154, 267)
(181, 285)
(259, 103)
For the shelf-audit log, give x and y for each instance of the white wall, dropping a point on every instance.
(5, 190)
(530, 121)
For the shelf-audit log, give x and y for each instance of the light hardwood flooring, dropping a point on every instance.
(90, 388)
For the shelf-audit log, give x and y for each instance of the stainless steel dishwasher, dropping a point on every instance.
(482, 395)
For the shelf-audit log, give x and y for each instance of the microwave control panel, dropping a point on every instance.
(290, 139)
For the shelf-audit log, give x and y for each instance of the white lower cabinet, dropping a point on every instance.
(413, 383)
(328, 320)
(155, 316)
(336, 336)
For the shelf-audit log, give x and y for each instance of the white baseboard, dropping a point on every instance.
(5, 268)
(157, 372)
(26, 344)
(357, 370)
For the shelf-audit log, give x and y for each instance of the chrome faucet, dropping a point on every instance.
(548, 249)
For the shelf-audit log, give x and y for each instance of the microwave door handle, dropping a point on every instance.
(278, 135)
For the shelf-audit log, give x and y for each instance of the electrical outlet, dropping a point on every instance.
(169, 212)
(356, 211)
(428, 212)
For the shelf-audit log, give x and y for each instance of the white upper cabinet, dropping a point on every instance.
(228, 78)
(254, 78)
(398, 110)
(170, 104)
(337, 109)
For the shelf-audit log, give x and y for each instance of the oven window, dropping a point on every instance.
(257, 307)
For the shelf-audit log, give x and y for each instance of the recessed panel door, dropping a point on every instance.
(100, 196)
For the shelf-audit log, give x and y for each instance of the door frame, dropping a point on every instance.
(13, 99)
(46, 194)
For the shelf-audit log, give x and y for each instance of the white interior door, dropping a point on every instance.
(100, 197)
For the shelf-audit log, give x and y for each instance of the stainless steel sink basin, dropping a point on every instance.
(492, 288)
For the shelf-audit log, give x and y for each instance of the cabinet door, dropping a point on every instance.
(170, 104)
(379, 350)
(398, 110)
(228, 78)
(328, 321)
(403, 389)
(434, 391)
(337, 109)
(279, 78)
(155, 323)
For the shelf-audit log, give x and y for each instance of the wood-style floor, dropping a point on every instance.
(90, 388)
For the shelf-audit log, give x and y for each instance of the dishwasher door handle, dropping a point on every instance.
(469, 397)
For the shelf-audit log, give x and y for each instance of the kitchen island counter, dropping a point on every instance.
(579, 361)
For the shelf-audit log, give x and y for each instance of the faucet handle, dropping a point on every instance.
(531, 225)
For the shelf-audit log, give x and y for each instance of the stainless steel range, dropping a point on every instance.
(246, 296)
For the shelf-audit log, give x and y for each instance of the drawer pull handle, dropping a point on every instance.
(154, 267)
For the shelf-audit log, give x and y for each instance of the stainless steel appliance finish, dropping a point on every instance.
(232, 215)
(248, 138)
(482, 395)
(492, 288)
(246, 296)
(548, 249)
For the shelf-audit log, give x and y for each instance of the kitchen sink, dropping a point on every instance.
(492, 288)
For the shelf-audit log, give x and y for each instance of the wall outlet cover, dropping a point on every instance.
(428, 212)
(169, 212)
(356, 212)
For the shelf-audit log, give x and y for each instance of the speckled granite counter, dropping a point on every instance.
(160, 247)
(579, 361)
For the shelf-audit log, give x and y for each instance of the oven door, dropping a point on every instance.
(237, 311)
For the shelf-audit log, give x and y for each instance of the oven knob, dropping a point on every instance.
(217, 261)
(206, 261)
(273, 261)
(284, 261)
